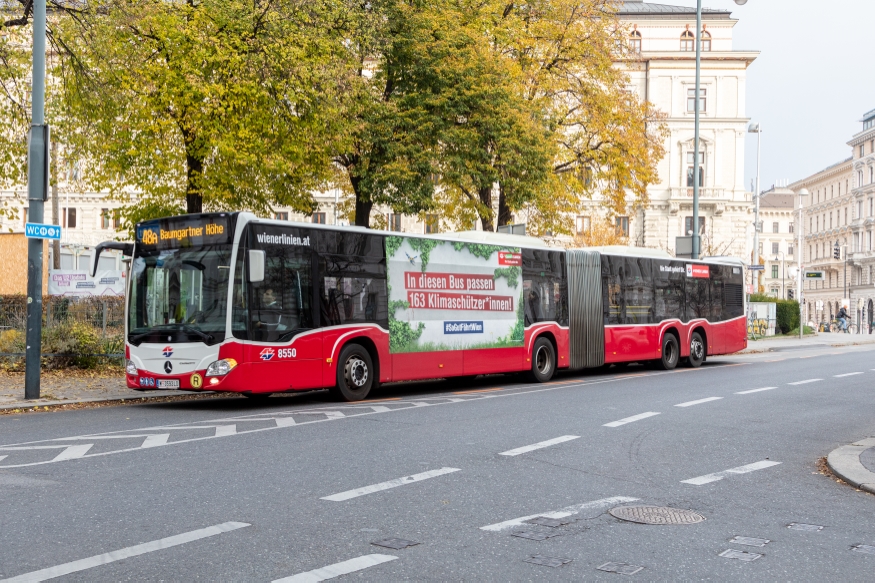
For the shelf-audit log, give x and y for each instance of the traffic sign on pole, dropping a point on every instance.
(40, 231)
(814, 275)
(756, 267)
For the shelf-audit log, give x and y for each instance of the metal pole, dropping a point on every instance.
(799, 276)
(756, 214)
(36, 192)
(696, 147)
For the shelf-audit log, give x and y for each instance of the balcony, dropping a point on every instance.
(709, 193)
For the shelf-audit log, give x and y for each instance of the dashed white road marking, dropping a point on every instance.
(539, 445)
(349, 494)
(755, 390)
(565, 512)
(337, 569)
(699, 402)
(805, 382)
(847, 374)
(285, 421)
(127, 552)
(156, 440)
(380, 409)
(702, 480)
(631, 419)
(2, 457)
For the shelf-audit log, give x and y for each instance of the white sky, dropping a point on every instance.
(811, 84)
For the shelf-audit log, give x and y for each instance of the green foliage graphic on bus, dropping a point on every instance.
(446, 295)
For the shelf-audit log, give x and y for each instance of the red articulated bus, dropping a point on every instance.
(231, 302)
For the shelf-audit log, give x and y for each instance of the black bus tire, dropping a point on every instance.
(697, 351)
(355, 374)
(257, 396)
(670, 353)
(543, 360)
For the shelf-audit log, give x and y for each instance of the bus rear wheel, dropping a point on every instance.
(355, 374)
(670, 353)
(543, 360)
(697, 351)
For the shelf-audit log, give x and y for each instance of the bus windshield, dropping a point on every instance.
(179, 295)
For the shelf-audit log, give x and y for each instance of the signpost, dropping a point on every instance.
(40, 231)
(814, 276)
(756, 267)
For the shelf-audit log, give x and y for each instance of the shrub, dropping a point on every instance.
(787, 314)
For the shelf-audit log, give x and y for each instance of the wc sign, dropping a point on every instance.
(40, 231)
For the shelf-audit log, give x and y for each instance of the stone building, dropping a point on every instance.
(840, 216)
(778, 214)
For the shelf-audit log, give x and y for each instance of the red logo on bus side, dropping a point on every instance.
(509, 258)
(698, 271)
(266, 354)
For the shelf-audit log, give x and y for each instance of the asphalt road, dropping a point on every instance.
(231, 490)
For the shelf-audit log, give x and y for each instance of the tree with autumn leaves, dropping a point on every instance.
(474, 111)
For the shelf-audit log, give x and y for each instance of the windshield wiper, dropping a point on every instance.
(198, 333)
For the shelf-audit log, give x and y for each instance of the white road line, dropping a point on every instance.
(539, 445)
(334, 414)
(565, 512)
(3, 457)
(699, 402)
(755, 390)
(847, 374)
(156, 440)
(127, 552)
(337, 569)
(225, 430)
(702, 480)
(630, 419)
(380, 409)
(285, 421)
(805, 382)
(73, 452)
(349, 494)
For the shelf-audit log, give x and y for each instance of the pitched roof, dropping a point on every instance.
(641, 8)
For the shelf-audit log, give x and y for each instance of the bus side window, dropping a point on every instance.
(637, 290)
(240, 314)
(545, 295)
(353, 288)
(717, 277)
(668, 290)
(612, 299)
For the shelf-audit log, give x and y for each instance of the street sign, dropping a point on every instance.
(814, 275)
(756, 267)
(40, 231)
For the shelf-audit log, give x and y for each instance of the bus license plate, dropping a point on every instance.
(168, 383)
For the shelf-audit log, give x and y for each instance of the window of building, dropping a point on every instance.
(774, 272)
(635, 41)
(790, 250)
(691, 100)
(871, 174)
(846, 215)
(688, 41)
(706, 41)
(69, 218)
(859, 209)
(811, 224)
(775, 248)
(775, 227)
(869, 243)
(582, 224)
(394, 222)
(104, 218)
(862, 150)
(622, 226)
(856, 242)
(688, 225)
(859, 178)
(282, 216)
(319, 218)
(830, 220)
(871, 206)
(116, 219)
(690, 169)
(792, 226)
(432, 223)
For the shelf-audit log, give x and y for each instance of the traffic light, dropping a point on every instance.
(836, 252)
(789, 294)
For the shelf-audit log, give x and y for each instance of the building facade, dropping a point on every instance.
(778, 242)
(839, 223)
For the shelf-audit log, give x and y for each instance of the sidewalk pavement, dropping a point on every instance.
(855, 464)
(824, 339)
(76, 387)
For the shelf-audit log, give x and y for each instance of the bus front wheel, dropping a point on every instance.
(355, 374)
(543, 360)
(697, 351)
(670, 352)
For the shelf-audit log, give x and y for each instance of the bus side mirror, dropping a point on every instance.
(256, 266)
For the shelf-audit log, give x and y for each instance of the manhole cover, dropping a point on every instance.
(656, 515)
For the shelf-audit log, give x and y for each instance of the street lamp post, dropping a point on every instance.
(697, 107)
(755, 128)
(800, 256)
(783, 275)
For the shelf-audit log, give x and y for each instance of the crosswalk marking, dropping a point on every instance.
(156, 440)
(127, 552)
(707, 479)
(349, 494)
(337, 569)
(73, 452)
(285, 421)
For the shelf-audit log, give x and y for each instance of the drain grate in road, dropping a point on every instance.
(551, 522)
(395, 543)
(749, 541)
(740, 555)
(533, 534)
(547, 561)
(804, 527)
(868, 549)
(656, 515)
(620, 568)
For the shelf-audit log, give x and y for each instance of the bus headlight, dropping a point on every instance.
(130, 367)
(221, 367)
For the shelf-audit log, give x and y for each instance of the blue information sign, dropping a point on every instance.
(40, 231)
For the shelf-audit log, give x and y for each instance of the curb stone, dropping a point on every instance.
(144, 397)
(845, 462)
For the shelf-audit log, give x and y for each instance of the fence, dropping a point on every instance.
(82, 332)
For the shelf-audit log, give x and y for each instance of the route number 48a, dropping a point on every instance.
(287, 353)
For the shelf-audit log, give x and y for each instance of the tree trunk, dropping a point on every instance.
(485, 195)
(505, 216)
(194, 200)
(362, 207)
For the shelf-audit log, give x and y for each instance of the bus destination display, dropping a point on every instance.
(185, 232)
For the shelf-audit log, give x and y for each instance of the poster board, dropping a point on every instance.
(75, 283)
